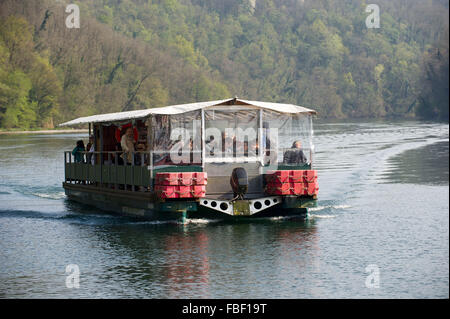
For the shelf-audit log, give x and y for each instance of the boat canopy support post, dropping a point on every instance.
(101, 154)
(260, 138)
(203, 131)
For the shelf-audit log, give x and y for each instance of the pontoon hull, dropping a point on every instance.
(143, 206)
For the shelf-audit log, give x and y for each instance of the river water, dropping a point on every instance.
(380, 230)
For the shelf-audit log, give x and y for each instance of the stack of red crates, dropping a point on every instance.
(292, 182)
(181, 185)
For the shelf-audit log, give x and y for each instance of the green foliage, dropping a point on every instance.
(29, 88)
(136, 54)
(16, 109)
(434, 92)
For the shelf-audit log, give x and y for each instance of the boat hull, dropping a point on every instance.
(144, 205)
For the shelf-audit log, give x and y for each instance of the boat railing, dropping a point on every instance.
(122, 170)
(113, 169)
(135, 170)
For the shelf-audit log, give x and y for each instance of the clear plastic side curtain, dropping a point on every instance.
(177, 139)
(284, 133)
(231, 135)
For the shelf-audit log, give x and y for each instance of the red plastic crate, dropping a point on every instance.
(201, 178)
(299, 189)
(184, 191)
(313, 189)
(310, 176)
(296, 176)
(180, 191)
(166, 179)
(277, 177)
(278, 189)
(198, 191)
(186, 179)
(166, 191)
(291, 176)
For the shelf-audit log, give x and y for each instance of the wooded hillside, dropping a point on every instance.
(136, 54)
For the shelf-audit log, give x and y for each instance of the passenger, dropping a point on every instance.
(228, 144)
(90, 148)
(89, 144)
(78, 152)
(191, 151)
(196, 151)
(184, 146)
(91, 154)
(127, 143)
(118, 149)
(254, 148)
(211, 146)
(176, 146)
(295, 155)
(251, 148)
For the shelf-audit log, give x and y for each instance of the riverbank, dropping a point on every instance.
(66, 131)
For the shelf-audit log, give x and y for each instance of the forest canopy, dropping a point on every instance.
(137, 54)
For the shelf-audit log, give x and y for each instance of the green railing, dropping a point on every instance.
(109, 169)
(112, 170)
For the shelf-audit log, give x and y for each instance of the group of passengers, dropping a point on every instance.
(127, 147)
(79, 151)
(230, 146)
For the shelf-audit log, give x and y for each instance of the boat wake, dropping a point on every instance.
(322, 212)
(189, 221)
(336, 207)
(56, 196)
(31, 214)
(315, 216)
(62, 216)
(200, 221)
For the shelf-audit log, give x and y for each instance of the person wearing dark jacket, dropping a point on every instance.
(77, 152)
(295, 155)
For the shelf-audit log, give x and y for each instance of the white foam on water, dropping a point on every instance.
(321, 216)
(194, 221)
(152, 222)
(58, 195)
(199, 221)
(277, 218)
(319, 208)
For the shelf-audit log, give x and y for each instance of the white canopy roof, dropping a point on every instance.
(183, 108)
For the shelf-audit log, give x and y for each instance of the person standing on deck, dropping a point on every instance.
(77, 152)
(127, 143)
(90, 148)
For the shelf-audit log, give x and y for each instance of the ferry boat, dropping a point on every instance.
(229, 158)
